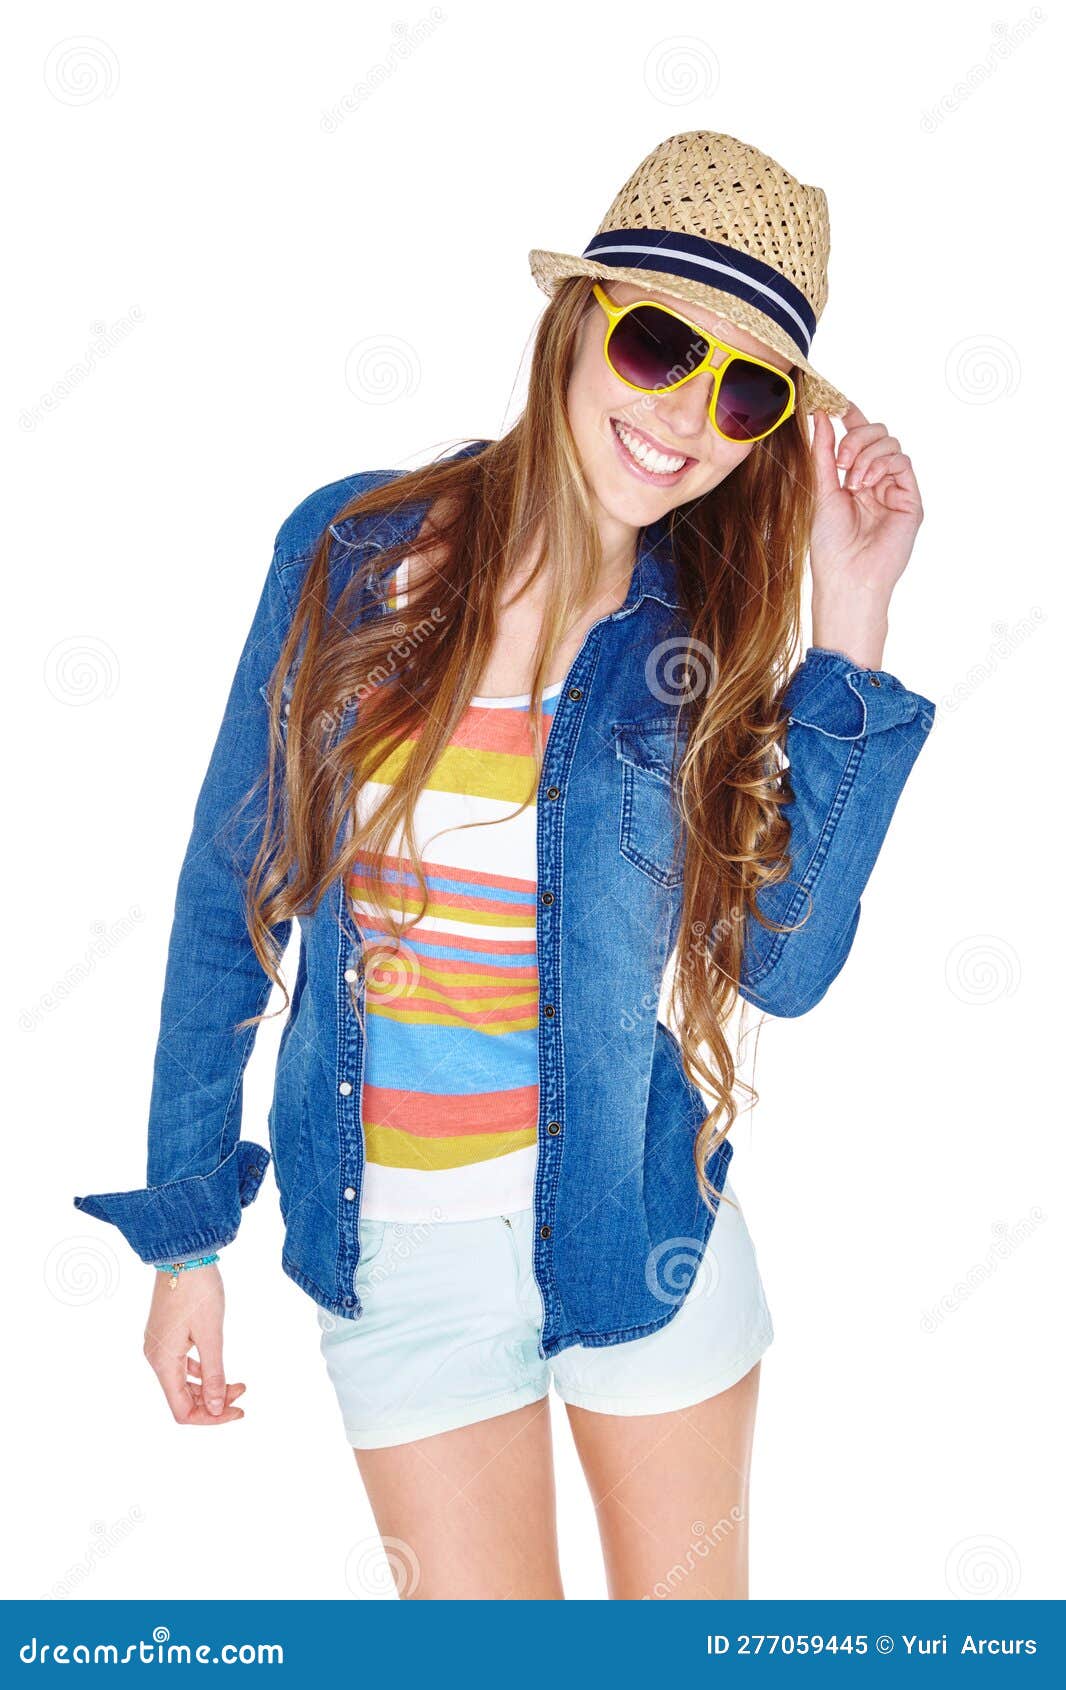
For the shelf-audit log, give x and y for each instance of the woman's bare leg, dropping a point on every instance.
(671, 1494)
(470, 1513)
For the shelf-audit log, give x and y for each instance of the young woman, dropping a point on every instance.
(511, 735)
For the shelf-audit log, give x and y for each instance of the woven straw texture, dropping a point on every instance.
(703, 183)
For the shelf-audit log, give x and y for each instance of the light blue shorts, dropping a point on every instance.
(451, 1320)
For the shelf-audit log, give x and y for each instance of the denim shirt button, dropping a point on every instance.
(351, 974)
(549, 1010)
(547, 897)
(349, 1193)
(545, 1232)
(349, 1302)
(553, 792)
(574, 692)
(345, 1087)
(874, 682)
(555, 1127)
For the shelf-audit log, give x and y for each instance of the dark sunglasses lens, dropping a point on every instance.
(652, 349)
(751, 400)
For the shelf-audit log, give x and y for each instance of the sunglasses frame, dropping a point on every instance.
(615, 313)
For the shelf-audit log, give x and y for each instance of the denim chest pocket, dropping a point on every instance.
(649, 826)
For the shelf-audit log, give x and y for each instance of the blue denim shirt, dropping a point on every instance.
(615, 1188)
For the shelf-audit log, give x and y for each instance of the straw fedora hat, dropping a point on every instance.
(723, 225)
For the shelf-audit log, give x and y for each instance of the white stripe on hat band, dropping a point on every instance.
(726, 269)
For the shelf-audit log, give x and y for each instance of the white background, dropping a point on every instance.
(291, 236)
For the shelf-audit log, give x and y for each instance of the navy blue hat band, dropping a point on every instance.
(715, 264)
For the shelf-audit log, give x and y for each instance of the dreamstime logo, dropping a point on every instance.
(981, 369)
(78, 1271)
(104, 941)
(982, 969)
(680, 669)
(701, 1543)
(1006, 640)
(406, 42)
(1008, 1239)
(380, 1566)
(677, 1263)
(80, 70)
(393, 971)
(382, 369)
(986, 1567)
(681, 69)
(1009, 39)
(81, 670)
(105, 1540)
(104, 340)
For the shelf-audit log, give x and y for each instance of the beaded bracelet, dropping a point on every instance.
(174, 1268)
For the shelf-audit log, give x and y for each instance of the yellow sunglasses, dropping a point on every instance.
(647, 343)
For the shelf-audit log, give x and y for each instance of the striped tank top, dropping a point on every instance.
(450, 1083)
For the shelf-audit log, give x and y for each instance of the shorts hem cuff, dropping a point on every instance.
(482, 1408)
(668, 1403)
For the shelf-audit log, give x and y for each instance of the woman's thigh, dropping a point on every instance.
(671, 1494)
(470, 1513)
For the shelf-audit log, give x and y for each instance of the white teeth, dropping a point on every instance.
(646, 455)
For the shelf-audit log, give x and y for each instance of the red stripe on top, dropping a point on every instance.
(450, 1116)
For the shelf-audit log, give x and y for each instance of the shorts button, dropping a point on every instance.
(345, 1087)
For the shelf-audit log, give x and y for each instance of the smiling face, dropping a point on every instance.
(605, 414)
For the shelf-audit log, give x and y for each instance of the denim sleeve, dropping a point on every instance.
(853, 737)
(200, 1172)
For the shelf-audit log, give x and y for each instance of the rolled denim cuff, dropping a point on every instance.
(184, 1217)
(840, 698)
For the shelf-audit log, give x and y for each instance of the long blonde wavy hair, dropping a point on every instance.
(739, 550)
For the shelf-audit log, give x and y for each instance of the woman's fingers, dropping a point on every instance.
(187, 1314)
(859, 474)
(208, 1339)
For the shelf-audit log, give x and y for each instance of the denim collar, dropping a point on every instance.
(654, 573)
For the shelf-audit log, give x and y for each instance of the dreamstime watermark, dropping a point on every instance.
(986, 1567)
(81, 669)
(1007, 638)
(681, 69)
(701, 1544)
(1009, 37)
(408, 38)
(680, 1267)
(81, 1270)
(104, 1541)
(1008, 1240)
(981, 369)
(405, 643)
(104, 340)
(81, 69)
(106, 939)
(381, 369)
(680, 669)
(146, 1652)
(380, 1566)
(982, 968)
